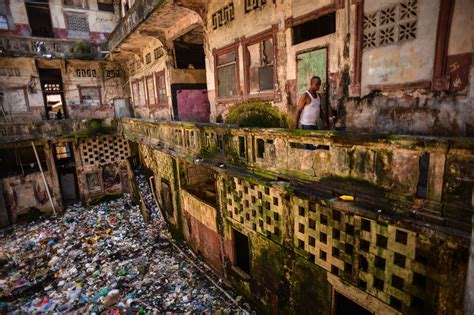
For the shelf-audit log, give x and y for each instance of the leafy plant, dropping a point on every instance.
(257, 114)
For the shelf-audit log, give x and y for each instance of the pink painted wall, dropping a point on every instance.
(193, 105)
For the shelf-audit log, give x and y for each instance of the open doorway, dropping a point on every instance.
(242, 251)
(66, 168)
(52, 86)
(39, 16)
(344, 306)
(190, 100)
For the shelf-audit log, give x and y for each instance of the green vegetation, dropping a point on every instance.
(257, 114)
(85, 50)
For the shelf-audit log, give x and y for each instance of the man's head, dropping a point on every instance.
(315, 84)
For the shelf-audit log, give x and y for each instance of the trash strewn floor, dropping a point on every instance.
(105, 259)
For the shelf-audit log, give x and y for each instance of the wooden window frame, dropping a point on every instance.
(80, 87)
(234, 47)
(265, 35)
(27, 103)
(148, 92)
(159, 102)
(330, 8)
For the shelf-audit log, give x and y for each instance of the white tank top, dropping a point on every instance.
(310, 113)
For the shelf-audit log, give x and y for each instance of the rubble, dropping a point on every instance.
(105, 258)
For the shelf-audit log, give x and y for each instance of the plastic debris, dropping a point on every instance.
(105, 258)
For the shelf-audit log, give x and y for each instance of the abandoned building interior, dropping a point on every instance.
(372, 216)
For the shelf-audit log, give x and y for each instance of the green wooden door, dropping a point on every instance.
(310, 64)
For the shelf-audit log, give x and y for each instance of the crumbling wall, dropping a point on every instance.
(101, 165)
(19, 83)
(107, 77)
(25, 193)
(99, 23)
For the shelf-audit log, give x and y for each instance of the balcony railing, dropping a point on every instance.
(49, 48)
(415, 176)
(140, 10)
(54, 129)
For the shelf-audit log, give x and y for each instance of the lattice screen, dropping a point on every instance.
(257, 207)
(379, 258)
(104, 150)
(390, 25)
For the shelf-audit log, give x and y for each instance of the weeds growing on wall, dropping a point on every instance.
(257, 114)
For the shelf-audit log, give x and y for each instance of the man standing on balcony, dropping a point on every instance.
(310, 115)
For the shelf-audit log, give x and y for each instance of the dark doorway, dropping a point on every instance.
(39, 16)
(52, 86)
(242, 251)
(344, 306)
(167, 197)
(66, 168)
(422, 188)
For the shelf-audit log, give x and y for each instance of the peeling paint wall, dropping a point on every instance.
(99, 23)
(303, 247)
(102, 167)
(403, 61)
(19, 78)
(20, 75)
(107, 76)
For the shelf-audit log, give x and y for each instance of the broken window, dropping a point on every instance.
(21, 161)
(77, 3)
(3, 22)
(157, 52)
(189, 55)
(63, 151)
(226, 65)
(105, 5)
(242, 251)
(161, 87)
(90, 96)
(77, 25)
(15, 100)
(39, 16)
(150, 90)
(260, 66)
(319, 27)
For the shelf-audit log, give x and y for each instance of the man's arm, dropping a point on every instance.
(301, 104)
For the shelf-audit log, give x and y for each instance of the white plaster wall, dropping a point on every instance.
(409, 61)
(243, 24)
(18, 11)
(462, 28)
(302, 7)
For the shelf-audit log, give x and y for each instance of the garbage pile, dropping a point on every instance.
(103, 259)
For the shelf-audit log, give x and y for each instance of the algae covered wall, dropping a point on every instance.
(305, 249)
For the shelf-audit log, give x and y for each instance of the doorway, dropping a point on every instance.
(66, 168)
(242, 251)
(309, 64)
(39, 16)
(344, 306)
(52, 86)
